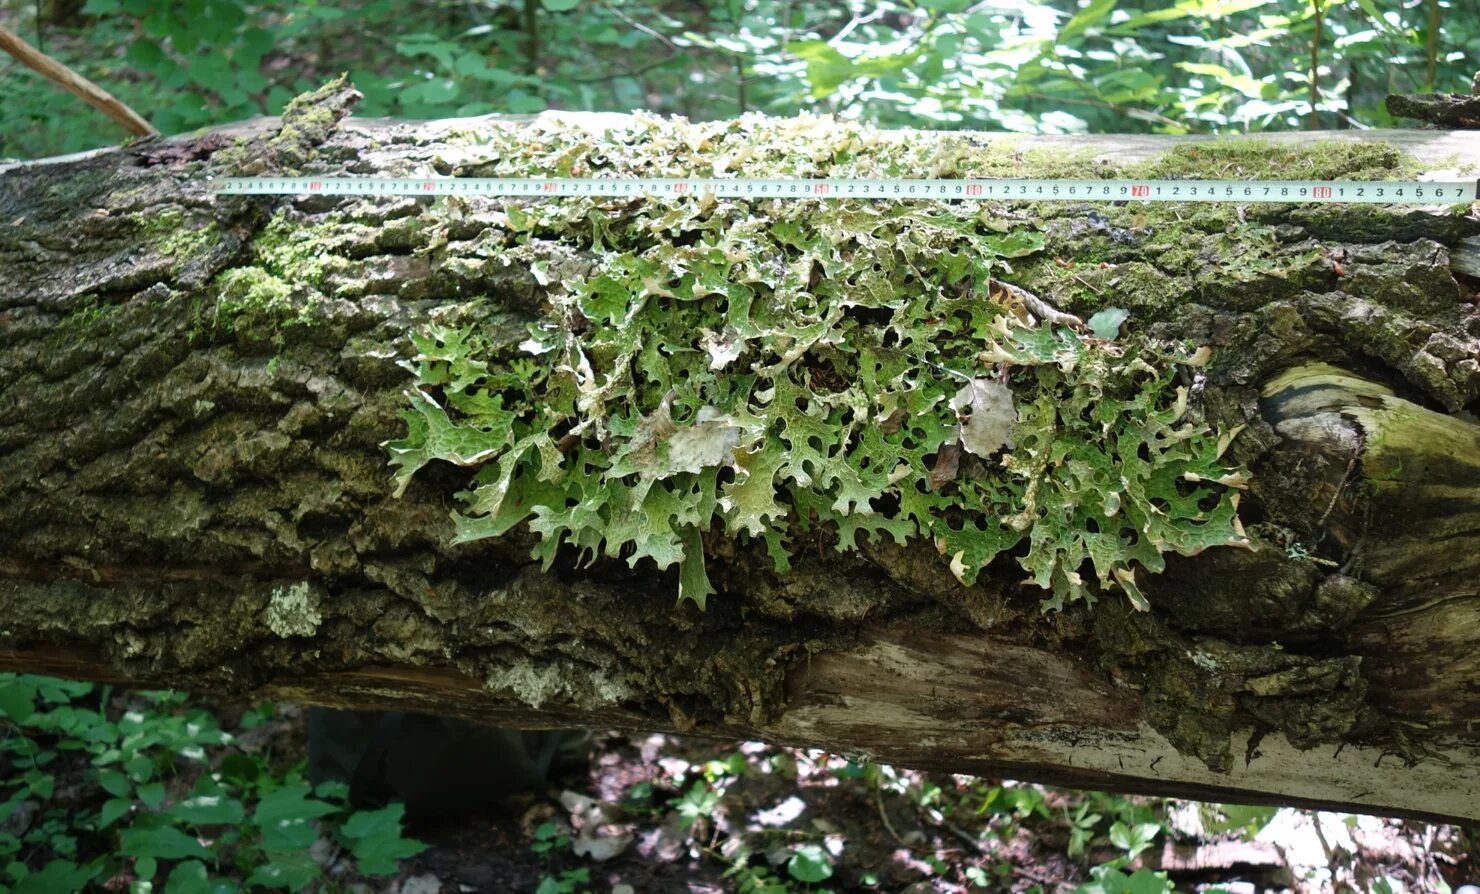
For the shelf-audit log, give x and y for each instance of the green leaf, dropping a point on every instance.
(139, 767)
(1144, 881)
(17, 700)
(520, 102)
(560, 5)
(332, 790)
(438, 91)
(827, 69)
(57, 876)
(188, 877)
(693, 582)
(112, 810)
(243, 769)
(293, 870)
(1247, 820)
(253, 45)
(1133, 838)
(212, 72)
(1201, 9)
(151, 794)
(1016, 243)
(376, 841)
(114, 783)
(285, 818)
(203, 810)
(431, 434)
(749, 500)
(1250, 87)
(1096, 12)
(162, 842)
(145, 55)
(40, 784)
(1105, 324)
(809, 863)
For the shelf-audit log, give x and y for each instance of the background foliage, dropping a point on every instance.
(1168, 66)
(98, 784)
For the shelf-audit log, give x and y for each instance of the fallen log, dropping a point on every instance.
(200, 395)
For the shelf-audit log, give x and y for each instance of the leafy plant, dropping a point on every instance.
(549, 841)
(569, 881)
(809, 864)
(1168, 66)
(1133, 838)
(155, 792)
(1111, 880)
(549, 837)
(698, 802)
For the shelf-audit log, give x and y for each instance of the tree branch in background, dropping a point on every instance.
(75, 84)
(1457, 110)
(532, 33)
(1315, 67)
(1431, 47)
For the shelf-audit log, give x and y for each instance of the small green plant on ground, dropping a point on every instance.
(106, 788)
(755, 860)
(549, 841)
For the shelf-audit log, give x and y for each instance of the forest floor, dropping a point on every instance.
(657, 814)
(118, 791)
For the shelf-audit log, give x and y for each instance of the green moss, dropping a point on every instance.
(307, 122)
(172, 233)
(91, 317)
(297, 254)
(250, 298)
(1255, 159)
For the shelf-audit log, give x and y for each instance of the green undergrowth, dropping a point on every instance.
(777, 371)
(104, 790)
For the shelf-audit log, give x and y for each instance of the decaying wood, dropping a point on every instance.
(1443, 109)
(165, 486)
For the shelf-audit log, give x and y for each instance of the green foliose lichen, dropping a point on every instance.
(293, 611)
(778, 370)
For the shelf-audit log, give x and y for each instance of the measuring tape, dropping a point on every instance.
(1374, 192)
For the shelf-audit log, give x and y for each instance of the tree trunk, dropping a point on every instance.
(196, 393)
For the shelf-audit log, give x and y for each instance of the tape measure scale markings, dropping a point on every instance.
(1389, 192)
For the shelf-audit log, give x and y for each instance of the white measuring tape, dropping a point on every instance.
(1357, 191)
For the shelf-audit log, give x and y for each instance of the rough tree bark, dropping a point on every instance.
(208, 506)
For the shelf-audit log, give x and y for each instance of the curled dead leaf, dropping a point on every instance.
(985, 410)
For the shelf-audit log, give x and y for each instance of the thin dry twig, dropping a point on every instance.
(75, 84)
(884, 816)
(1038, 307)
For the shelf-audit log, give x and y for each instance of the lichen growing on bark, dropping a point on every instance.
(293, 611)
(770, 368)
